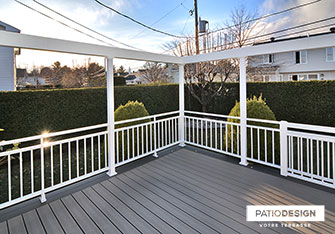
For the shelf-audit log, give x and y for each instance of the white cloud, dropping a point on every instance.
(310, 13)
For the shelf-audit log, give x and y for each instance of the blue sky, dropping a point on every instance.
(89, 13)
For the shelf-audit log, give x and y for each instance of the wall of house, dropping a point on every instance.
(316, 64)
(7, 63)
(7, 75)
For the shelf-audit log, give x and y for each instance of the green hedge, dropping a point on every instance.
(26, 113)
(310, 102)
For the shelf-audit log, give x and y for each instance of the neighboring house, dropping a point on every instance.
(8, 62)
(30, 81)
(316, 64)
(135, 78)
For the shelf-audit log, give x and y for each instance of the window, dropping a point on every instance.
(330, 54)
(298, 77)
(301, 57)
(268, 58)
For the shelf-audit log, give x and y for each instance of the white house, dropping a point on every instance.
(315, 64)
(8, 62)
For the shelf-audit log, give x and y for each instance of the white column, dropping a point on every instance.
(283, 148)
(110, 116)
(243, 111)
(181, 106)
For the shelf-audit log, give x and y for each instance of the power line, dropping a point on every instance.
(269, 15)
(157, 21)
(294, 27)
(60, 22)
(138, 22)
(73, 21)
(284, 30)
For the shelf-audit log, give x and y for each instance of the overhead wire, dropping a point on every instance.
(258, 18)
(81, 25)
(64, 24)
(138, 22)
(161, 18)
(269, 15)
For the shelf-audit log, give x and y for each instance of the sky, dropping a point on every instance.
(173, 17)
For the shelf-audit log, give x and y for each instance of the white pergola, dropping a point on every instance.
(48, 44)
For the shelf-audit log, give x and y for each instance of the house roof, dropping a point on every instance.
(274, 40)
(9, 27)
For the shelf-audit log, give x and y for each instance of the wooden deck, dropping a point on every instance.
(182, 192)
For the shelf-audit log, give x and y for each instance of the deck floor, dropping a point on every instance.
(182, 192)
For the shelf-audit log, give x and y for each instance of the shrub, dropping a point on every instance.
(131, 110)
(257, 109)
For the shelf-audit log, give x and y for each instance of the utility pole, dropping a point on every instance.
(196, 27)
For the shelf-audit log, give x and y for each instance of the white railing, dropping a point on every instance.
(311, 153)
(50, 161)
(213, 132)
(302, 151)
(137, 138)
(263, 142)
(46, 162)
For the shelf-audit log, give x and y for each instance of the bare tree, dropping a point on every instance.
(242, 25)
(205, 80)
(155, 73)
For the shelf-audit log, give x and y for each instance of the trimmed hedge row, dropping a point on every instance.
(27, 113)
(310, 102)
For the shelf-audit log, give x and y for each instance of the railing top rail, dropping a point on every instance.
(46, 135)
(264, 121)
(146, 117)
(211, 114)
(311, 127)
(314, 136)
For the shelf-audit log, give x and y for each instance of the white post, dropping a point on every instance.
(283, 148)
(181, 106)
(155, 138)
(243, 111)
(110, 117)
(42, 198)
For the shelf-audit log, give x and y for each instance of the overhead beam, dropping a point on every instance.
(25, 41)
(307, 43)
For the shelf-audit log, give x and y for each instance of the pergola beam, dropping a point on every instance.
(25, 41)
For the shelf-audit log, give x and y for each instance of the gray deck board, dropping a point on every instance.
(109, 211)
(48, 219)
(141, 210)
(199, 193)
(32, 222)
(84, 221)
(182, 192)
(95, 214)
(212, 224)
(3, 228)
(64, 217)
(153, 207)
(16, 225)
(219, 220)
(132, 216)
(166, 205)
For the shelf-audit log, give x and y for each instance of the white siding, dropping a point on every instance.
(7, 79)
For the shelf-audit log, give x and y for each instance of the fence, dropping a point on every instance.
(302, 151)
(39, 164)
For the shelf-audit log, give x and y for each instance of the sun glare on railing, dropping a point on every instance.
(45, 134)
(46, 144)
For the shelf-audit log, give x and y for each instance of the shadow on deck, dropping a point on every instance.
(186, 191)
